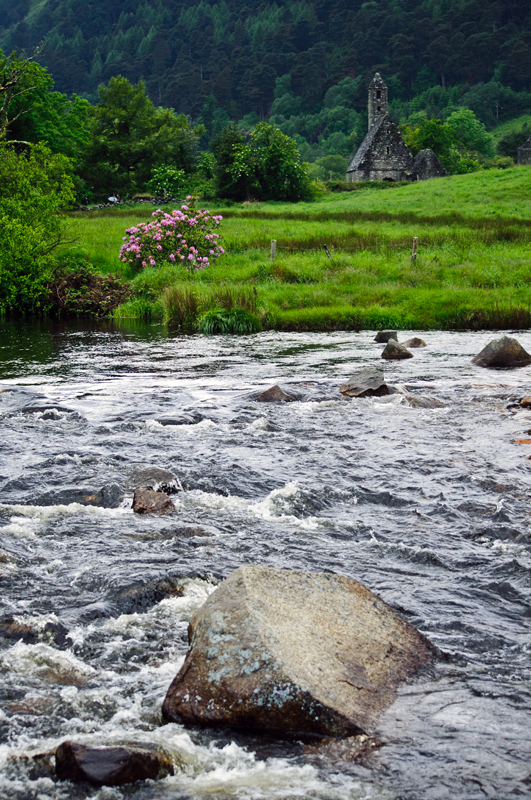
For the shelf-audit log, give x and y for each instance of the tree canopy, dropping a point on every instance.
(129, 136)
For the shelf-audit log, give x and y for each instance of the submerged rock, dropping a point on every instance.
(146, 501)
(351, 748)
(284, 650)
(368, 382)
(415, 342)
(420, 401)
(275, 395)
(395, 351)
(181, 419)
(382, 337)
(109, 496)
(502, 353)
(110, 766)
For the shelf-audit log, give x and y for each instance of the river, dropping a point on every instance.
(428, 507)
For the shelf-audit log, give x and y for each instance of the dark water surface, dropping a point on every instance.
(427, 507)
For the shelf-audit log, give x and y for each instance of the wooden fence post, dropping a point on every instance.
(414, 251)
(273, 249)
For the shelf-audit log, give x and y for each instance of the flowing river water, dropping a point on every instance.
(428, 507)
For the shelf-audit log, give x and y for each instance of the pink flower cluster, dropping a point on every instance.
(186, 235)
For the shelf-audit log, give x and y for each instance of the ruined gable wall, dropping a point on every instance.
(388, 157)
(524, 153)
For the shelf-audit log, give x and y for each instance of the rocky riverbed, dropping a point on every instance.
(425, 503)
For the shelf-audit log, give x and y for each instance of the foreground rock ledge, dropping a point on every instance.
(285, 650)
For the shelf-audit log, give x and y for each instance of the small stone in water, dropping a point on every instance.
(382, 337)
(415, 342)
(146, 501)
(368, 382)
(396, 352)
(275, 395)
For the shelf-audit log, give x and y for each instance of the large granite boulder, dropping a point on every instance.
(502, 353)
(368, 382)
(393, 351)
(110, 765)
(283, 650)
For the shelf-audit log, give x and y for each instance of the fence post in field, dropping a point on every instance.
(273, 249)
(414, 251)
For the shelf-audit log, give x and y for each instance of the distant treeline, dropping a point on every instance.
(216, 61)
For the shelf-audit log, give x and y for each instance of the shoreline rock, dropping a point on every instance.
(291, 651)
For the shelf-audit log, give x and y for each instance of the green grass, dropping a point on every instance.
(511, 124)
(472, 269)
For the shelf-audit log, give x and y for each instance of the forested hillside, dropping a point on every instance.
(235, 57)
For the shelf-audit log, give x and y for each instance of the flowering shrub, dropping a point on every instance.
(186, 236)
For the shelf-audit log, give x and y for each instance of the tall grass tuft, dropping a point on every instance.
(182, 306)
(185, 304)
(237, 321)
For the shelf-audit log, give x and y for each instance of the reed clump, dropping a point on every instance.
(184, 306)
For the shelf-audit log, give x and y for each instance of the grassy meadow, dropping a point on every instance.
(473, 267)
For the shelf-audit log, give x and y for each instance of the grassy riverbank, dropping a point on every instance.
(472, 269)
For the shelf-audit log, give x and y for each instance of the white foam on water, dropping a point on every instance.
(28, 521)
(274, 507)
(46, 663)
(200, 428)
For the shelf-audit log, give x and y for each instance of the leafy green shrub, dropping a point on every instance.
(237, 321)
(33, 188)
(168, 181)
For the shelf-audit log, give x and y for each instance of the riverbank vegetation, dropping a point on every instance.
(471, 269)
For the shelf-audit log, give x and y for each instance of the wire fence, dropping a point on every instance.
(341, 249)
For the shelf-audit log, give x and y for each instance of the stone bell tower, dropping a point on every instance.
(377, 99)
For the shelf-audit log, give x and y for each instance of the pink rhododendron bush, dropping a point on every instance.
(186, 236)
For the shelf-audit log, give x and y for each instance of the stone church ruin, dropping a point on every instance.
(383, 155)
(524, 153)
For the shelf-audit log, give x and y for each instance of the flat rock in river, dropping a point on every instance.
(285, 650)
(369, 382)
(501, 353)
(420, 401)
(415, 342)
(110, 766)
(394, 351)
